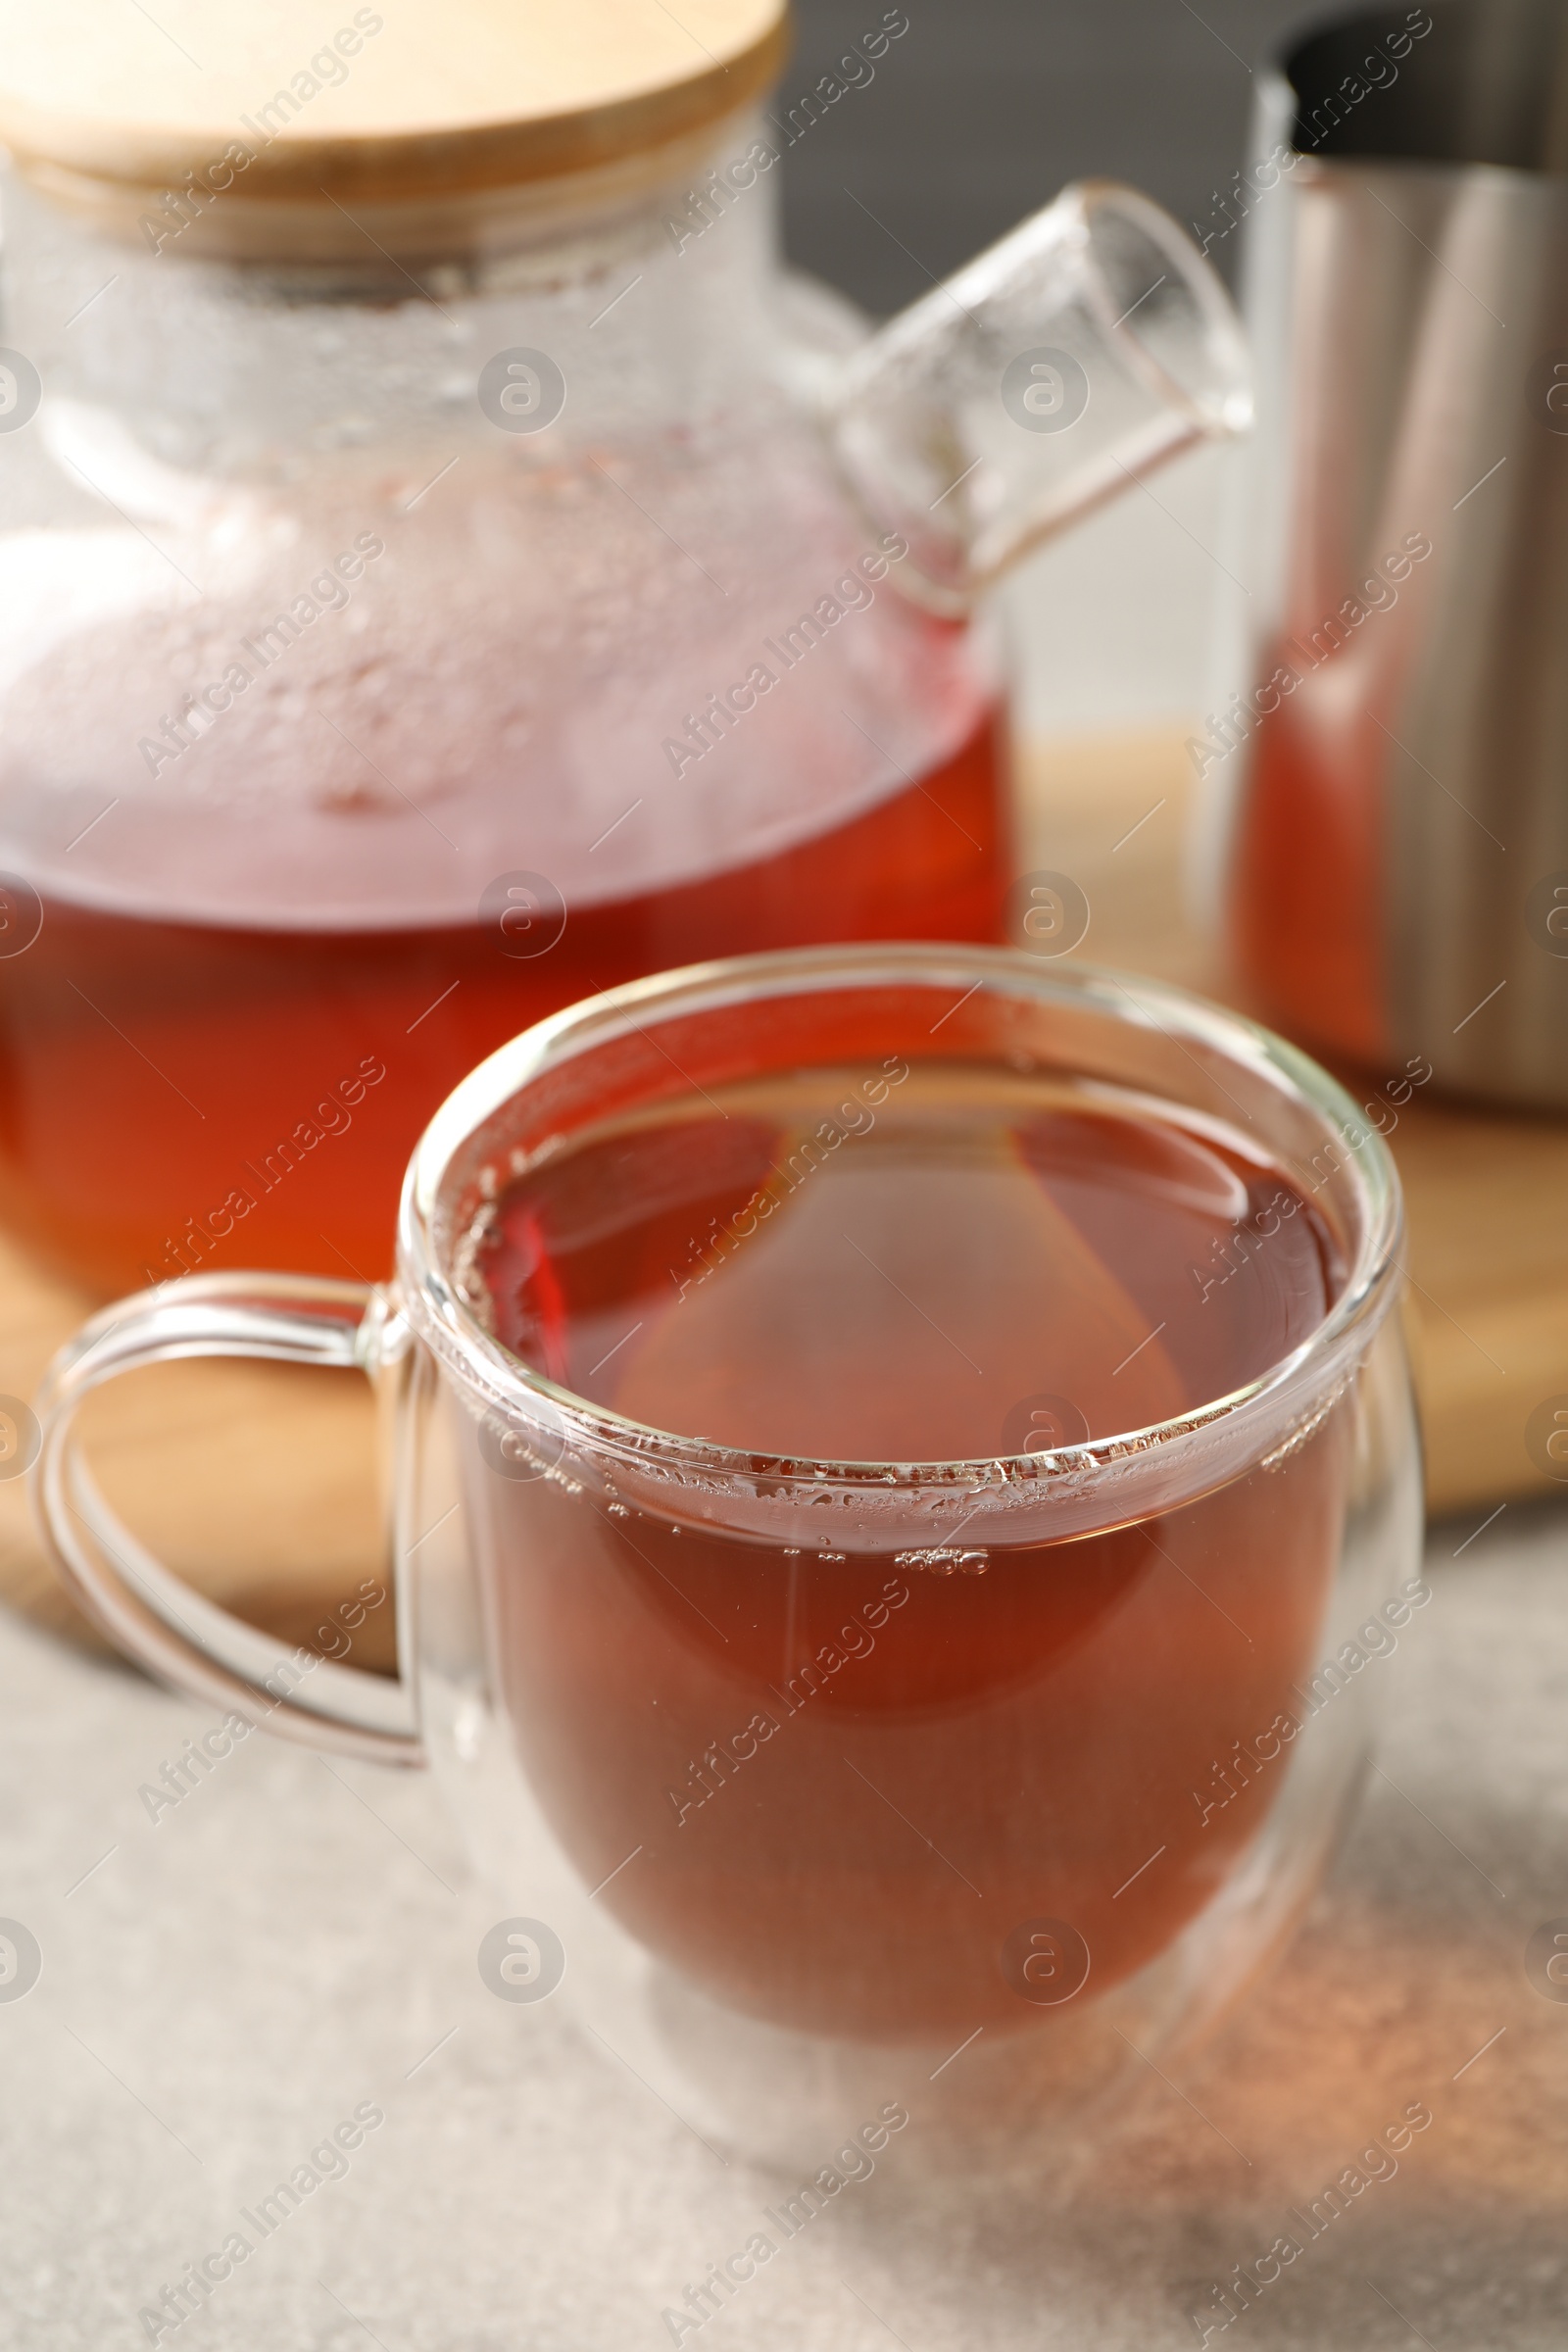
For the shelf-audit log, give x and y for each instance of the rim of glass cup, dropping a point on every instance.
(431, 1299)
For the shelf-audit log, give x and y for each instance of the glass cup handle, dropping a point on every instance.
(175, 1632)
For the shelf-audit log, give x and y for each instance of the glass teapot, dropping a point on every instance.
(449, 567)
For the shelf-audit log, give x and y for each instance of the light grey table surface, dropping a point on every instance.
(220, 1990)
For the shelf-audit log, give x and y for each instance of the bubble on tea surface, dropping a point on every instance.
(1546, 1437)
(21, 390)
(1546, 914)
(520, 1455)
(21, 1960)
(1046, 390)
(521, 390)
(521, 1960)
(1046, 1961)
(1047, 914)
(19, 1437)
(524, 913)
(1043, 1424)
(1547, 1960)
(21, 914)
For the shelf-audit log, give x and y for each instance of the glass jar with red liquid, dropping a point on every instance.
(450, 568)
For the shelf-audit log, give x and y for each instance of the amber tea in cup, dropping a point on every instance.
(849, 1773)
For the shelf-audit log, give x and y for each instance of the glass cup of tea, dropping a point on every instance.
(902, 1457)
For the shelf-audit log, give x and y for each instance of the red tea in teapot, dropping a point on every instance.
(264, 1087)
(785, 1760)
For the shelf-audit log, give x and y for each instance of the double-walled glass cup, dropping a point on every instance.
(822, 1786)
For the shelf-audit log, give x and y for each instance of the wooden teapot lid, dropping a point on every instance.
(268, 112)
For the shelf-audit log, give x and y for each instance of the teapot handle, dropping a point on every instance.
(1092, 344)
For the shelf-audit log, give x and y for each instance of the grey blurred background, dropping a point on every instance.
(976, 118)
(983, 108)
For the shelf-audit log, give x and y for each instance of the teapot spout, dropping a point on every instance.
(1091, 345)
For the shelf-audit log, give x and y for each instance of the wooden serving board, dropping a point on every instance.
(256, 1482)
